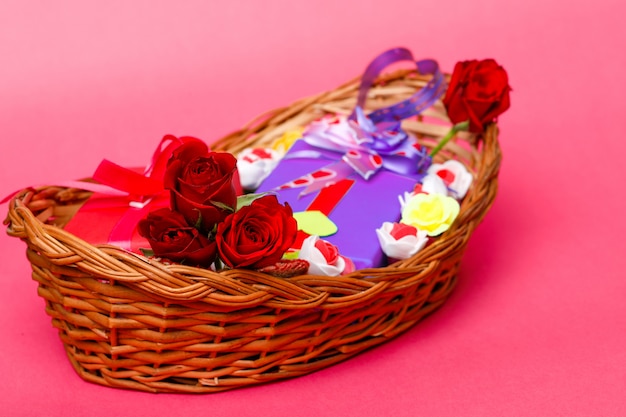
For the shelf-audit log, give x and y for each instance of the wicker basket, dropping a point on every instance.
(134, 323)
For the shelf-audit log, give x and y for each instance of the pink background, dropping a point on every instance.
(537, 325)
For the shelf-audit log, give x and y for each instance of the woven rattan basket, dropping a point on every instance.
(134, 323)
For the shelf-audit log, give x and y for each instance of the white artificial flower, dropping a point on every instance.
(454, 175)
(433, 184)
(254, 165)
(404, 198)
(323, 257)
(403, 247)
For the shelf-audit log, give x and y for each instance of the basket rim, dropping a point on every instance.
(240, 288)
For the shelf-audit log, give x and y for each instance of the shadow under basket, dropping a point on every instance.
(130, 322)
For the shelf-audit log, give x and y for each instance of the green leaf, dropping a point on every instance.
(315, 223)
(247, 199)
(148, 253)
(291, 254)
(221, 205)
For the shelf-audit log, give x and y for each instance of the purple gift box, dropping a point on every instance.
(363, 209)
(372, 151)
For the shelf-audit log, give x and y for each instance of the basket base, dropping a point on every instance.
(165, 378)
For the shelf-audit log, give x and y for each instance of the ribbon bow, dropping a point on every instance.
(139, 187)
(368, 143)
(116, 181)
(135, 190)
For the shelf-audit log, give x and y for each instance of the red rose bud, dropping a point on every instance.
(399, 230)
(172, 238)
(202, 184)
(478, 92)
(257, 235)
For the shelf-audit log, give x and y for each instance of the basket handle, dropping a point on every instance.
(412, 106)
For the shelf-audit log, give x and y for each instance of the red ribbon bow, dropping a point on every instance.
(141, 189)
(140, 186)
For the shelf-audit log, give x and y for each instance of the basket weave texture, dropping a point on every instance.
(134, 323)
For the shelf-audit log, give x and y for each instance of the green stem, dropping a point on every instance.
(455, 129)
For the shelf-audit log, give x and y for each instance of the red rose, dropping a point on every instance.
(478, 92)
(256, 236)
(172, 238)
(201, 184)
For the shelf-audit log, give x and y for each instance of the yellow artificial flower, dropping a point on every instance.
(283, 143)
(433, 213)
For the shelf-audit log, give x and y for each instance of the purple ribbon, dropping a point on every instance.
(415, 104)
(368, 143)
